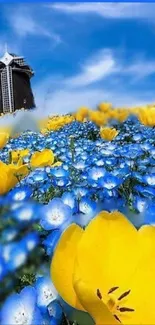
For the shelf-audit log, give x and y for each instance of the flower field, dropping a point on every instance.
(77, 216)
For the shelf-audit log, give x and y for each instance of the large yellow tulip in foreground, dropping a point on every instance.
(108, 270)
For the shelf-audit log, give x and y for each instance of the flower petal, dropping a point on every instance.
(93, 304)
(63, 264)
(106, 253)
(142, 284)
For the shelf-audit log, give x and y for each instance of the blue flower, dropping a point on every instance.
(95, 173)
(51, 241)
(21, 309)
(70, 199)
(17, 256)
(56, 215)
(149, 179)
(55, 311)
(30, 241)
(9, 234)
(88, 209)
(27, 213)
(140, 204)
(21, 193)
(46, 292)
(109, 181)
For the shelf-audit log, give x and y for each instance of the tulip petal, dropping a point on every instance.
(93, 304)
(106, 253)
(43, 158)
(62, 265)
(142, 284)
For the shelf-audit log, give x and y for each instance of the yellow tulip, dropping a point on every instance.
(15, 155)
(42, 159)
(82, 113)
(105, 107)
(107, 270)
(3, 139)
(10, 176)
(108, 133)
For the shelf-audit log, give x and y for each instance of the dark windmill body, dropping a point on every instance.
(15, 87)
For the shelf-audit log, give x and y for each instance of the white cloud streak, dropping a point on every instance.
(95, 69)
(108, 10)
(24, 24)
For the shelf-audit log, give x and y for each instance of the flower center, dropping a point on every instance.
(114, 304)
(21, 318)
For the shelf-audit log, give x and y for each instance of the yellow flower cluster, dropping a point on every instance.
(54, 123)
(106, 112)
(12, 173)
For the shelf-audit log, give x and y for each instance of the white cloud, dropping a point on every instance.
(107, 63)
(108, 10)
(95, 69)
(24, 24)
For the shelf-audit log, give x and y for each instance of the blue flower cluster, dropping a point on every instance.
(95, 175)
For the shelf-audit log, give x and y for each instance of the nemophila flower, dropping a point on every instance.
(46, 292)
(149, 179)
(21, 193)
(9, 234)
(80, 191)
(95, 173)
(109, 181)
(59, 172)
(43, 158)
(30, 241)
(56, 215)
(69, 199)
(61, 181)
(21, 309)
(17, 256)
(36, 177)
(146, 191)
(55, 311)
(109, 288)
(51, 241)
(87, 211)
(26, 213)
(140, 204)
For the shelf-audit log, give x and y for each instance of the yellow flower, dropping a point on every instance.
(147, 116)
(3, 139)
(57, 164)
(98, 118)
(105, 107)
(82, 113)
(15, 155)
(10, 176)
(42, 159)
(108, 133)
(108, 270)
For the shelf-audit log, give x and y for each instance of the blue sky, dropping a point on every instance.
(84, 53)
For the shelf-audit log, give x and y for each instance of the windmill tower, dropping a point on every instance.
(15, 86)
